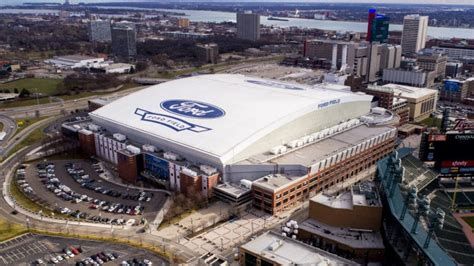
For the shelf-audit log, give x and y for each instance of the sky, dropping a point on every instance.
(459, 2)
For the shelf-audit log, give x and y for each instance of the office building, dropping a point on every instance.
(274, 249)
(207, 53)
(361, 59)
(430, 60)
(183, 23)
(248, 26)
(456, 51)
(457, 90)
(378, 27)
(414, 34)
(354, 219)
(409, 76)
(99, 31)
(421, 101)
(385, 98)
(124, 41)
(454, 69)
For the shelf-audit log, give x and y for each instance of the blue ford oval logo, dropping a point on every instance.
(192, 109)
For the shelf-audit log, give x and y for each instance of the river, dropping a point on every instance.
(217, 16)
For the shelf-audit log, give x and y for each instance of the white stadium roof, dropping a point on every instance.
(218, 115)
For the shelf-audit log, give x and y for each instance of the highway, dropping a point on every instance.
(57, 108)
(9, 127)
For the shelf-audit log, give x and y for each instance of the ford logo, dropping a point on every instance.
(192, 109)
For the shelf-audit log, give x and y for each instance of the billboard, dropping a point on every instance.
(452, 86)
(452, 153)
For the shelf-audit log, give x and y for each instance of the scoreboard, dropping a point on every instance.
(452, 153)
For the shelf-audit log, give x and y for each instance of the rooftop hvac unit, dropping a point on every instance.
(208, 169)
(133, 149)
(305, 139)
(246, 183)
(283, 149)
(299, 143)
(292, 144)
(275, 150)
(189, 172)
(310, 138)
(119, 137)
(170, 156)
(149, 148)
(94, 128)
(316, 135)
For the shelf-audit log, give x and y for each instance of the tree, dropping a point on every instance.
(15, 90)
(24, 93)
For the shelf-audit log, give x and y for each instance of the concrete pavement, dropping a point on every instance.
(9, 127)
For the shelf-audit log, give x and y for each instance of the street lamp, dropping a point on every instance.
(410, 196)
(436, 220)
(422, 208)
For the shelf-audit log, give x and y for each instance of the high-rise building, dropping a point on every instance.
(124, 41)
(207, 53)
(248, 26)
(362, 59)
(415, 29)
(99, 31)
(431, 60)
(377, 30)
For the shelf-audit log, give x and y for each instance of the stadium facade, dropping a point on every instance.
(193, 133)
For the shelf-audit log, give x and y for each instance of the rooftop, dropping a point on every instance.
(346, 236)
(363, 194)
(286, 251)
(409, 92)
(75, 57)
(221, 116)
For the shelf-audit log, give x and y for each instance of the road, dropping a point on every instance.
(6, 147)
(9, 127)
(57, 108)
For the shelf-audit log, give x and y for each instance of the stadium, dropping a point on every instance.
(227, 128)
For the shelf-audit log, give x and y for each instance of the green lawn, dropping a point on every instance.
(45, 86)
(23, 123)
(35, 136)
(432, 122)
(469, 220)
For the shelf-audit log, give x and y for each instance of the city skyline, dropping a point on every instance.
(436, 2)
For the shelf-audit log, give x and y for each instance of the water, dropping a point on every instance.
(216, 16)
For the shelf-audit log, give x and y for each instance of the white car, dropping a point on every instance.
(60, 258)
(147, 262)
(54, 260)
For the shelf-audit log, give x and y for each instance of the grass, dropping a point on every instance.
(432, 122)
(25, 102)
(44, 100)
(9, 230)
(24, 123)
(40, 85)
(217, 67)
(175, 219)
(35, 136)
(469, 220)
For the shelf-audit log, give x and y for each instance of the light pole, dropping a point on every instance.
(436, 220)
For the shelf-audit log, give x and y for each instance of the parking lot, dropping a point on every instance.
(31, 249)
(74, 188)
